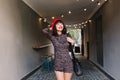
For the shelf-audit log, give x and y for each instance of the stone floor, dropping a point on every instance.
(90, 72)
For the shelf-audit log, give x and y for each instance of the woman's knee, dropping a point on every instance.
(67, 76)
(59, 75)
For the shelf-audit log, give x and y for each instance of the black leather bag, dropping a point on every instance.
(76, 63)
(77, 67)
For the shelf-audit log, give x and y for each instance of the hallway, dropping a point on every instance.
(90, 72)
(94, 24)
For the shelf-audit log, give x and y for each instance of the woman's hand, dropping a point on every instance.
(70, 40)
(50, 28)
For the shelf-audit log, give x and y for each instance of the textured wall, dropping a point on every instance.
(19, 31)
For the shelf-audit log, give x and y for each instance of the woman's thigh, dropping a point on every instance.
(68, 76)
(59, 75)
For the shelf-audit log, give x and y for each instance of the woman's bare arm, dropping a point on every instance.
(70, 40)
(46, 31)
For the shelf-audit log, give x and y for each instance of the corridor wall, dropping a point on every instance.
(20, 29)
(111, 39)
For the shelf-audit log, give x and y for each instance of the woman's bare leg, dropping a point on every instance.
(68, 76)
(59, 75)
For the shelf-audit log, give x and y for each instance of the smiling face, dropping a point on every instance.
(59, 26)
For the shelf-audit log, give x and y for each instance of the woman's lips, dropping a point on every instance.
(60, 27)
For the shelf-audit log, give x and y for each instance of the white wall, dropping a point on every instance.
(19, 31)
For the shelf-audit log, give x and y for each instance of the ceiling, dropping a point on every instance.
(56, 8)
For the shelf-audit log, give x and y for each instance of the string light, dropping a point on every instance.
(80, 25)
(53, 17)
(66, 25)
(85, 9)
(82, 22)
(69, 12)
(86, 21)
(90, 20)
(40, 19)
(62, 16)
(45, 19)
(69, 25)
(98, 3)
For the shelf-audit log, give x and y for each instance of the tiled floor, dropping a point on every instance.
(90, 72)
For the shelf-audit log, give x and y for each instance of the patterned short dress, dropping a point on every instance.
(62, 59)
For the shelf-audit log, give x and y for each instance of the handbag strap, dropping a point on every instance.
(71, 47)
(71, 50)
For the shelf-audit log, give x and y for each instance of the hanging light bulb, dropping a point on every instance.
(85, 9)
(86, 22)
(40, 19)
(90, 20)
(82, 22)
(74, 25)
(69, 25)
(62, 15)
(45, 19)
(92, 0)
(79, 24)
(98, 3)
(69, 12)
(53, 17)
(66, 25)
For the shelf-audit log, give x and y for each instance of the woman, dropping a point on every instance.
(63, 65)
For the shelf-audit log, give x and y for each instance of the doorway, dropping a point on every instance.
(99, 39)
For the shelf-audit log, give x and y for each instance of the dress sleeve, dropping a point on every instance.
(46, 31)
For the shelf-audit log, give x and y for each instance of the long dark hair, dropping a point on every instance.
(55, 30)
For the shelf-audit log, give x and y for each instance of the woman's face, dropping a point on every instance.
(59, 26)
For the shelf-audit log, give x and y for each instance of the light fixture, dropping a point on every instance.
(98, 3)
(53, 17)
(92, 0)
(69, 12)
(90, 20)
(40, 19)
(62, 15)
(82, 27)
(69, 25)
(82, 22)
(85, 9)
(74, 25)
(105, 0)
(45, 19)
(86, 22)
